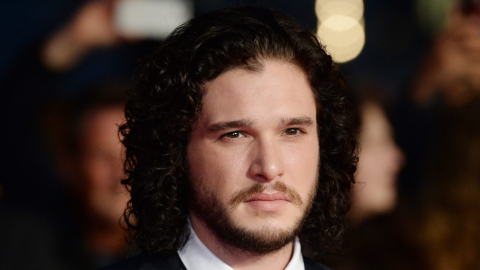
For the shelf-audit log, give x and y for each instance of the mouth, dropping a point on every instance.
(268, 202)
(277, 196)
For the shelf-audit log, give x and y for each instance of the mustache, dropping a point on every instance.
(257, 188)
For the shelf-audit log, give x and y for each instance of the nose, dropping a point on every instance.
(267, 162)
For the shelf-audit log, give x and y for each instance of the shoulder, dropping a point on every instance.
(313, 265)
(144, 262)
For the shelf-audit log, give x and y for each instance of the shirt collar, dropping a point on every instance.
(196, 256)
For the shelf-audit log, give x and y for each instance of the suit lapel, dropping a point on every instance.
(313, 265)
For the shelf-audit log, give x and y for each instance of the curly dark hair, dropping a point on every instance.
(167, 99)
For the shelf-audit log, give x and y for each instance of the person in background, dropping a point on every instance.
(448, 84)
(439, 230)
(89, 160)
(375, 191)
(450, 72)
(449, 216)
(448, 77)
(83, 231)
(442, 230)
(70, 55)
(380, 159)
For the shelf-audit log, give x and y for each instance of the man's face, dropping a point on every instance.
(254, 156)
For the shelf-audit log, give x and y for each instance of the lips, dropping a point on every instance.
(277, 196)
(266, 202)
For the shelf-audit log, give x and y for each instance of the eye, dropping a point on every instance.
(233, 135)
(293, 131)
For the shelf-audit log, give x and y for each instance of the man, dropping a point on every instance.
(239, 145)
(91, 167)
(89, 160)
(81, 230)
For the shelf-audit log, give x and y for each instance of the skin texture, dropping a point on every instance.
(375, 190)
(272, 140)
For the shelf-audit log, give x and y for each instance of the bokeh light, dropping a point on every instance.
(432, 14)
(341, 28)
(351, 8)
(151, 18)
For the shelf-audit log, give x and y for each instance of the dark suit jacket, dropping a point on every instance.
(173, 262)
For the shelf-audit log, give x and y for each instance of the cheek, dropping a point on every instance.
(102, 174)
(219, 172)
(371, 166)
(95, 173)
(302, 166)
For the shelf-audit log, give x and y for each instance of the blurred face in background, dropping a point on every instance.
(380, 160)
(99, 165)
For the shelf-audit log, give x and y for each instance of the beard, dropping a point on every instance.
(206, 205)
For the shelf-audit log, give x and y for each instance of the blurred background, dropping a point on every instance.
(412, 69)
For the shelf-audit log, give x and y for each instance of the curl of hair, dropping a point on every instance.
(167, 99)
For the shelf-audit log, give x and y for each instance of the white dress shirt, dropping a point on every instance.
(196, 256)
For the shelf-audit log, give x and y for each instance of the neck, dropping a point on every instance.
(239, 259)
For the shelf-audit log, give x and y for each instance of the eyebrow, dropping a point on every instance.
(303, 121)
(290, 121)
(230, 124)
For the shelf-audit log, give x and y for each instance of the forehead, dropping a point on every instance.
(278, 89)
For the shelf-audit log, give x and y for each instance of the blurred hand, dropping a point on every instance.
(91, 27)
(453, 67)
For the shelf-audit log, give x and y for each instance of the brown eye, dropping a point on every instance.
(233, 135)
(292, 131)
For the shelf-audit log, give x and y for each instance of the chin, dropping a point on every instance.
(260, 220)
(385, 204)
(262, 239)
